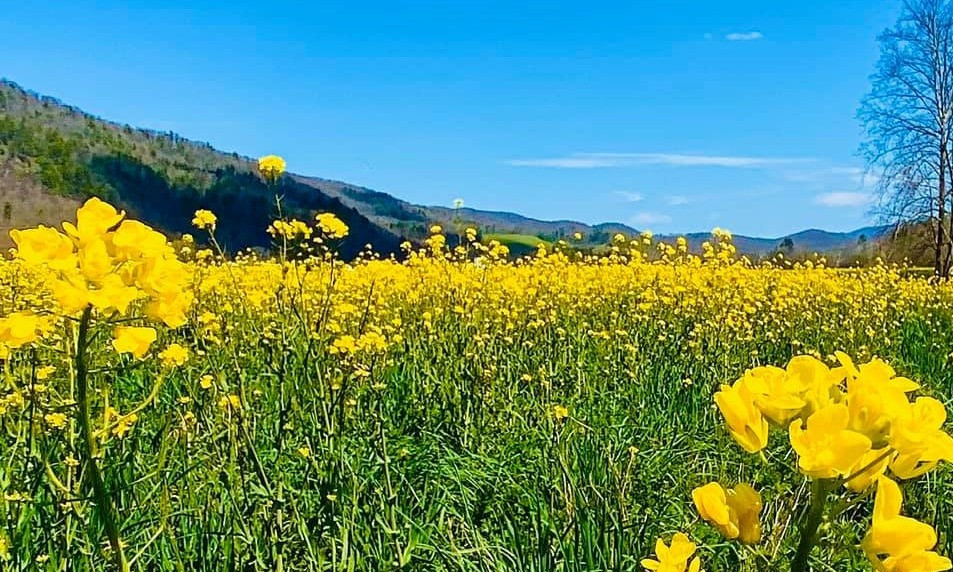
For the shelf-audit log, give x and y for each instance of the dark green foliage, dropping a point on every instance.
(385, 205)
(162, 178)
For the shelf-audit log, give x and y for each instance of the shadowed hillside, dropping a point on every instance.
(52, 156)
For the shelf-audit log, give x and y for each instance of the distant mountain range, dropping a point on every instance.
(53, 156)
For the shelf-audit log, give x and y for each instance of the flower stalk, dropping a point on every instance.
(104, 505)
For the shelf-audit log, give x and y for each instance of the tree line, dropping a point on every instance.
(908, 121)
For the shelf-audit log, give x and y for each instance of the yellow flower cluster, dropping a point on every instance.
(331, 226)
(735, 512)
(204, 219)
(848, 425)
(133, 340)
(271, 167)
(173, 356)
(842, 421)
(20, 328)
(106, 263)
(290, 229)
(369, 342)
(674, 557)
(898, 543)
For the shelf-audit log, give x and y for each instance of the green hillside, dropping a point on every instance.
(52, 154)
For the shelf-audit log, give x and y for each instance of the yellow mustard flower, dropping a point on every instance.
(331, 225)
(903, 540)
(745, 422)
(21, 328)
(916, 434)
(44, 245)
(204, 219)
(271, 167)
(134, 340)
(676, 557)
(734, 512)
(827, 448)
(174, 355)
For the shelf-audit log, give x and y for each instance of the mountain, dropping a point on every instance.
(811, 240)
(53, 156)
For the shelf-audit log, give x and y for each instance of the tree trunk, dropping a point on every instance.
(949, 231)
(939, 241)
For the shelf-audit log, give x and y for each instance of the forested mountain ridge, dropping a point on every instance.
(52, 156)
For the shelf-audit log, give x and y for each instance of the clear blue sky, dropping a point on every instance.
(676, 116)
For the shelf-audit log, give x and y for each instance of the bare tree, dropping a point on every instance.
(907, 117)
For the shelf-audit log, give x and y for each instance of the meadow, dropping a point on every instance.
(456, 410)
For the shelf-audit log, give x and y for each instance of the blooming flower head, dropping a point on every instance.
(134, 240)
(745, 421)
(21, 328)
(776, 398)
(917, 435)
(676, 557)
(827, 448)
(331, 225)
(105, 263)
(174, 355)
(875, 396)
(44, 245)
(271, 167)
(204, 219)
(56, 420)
(133, 340)
(93, 220)
(906, 542)
(734, 512)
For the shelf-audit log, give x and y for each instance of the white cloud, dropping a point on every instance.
(603, 160)
(744, 36)
(647, 218)
(565, 163)
(629, 197)
(843, 199)
(676, 200)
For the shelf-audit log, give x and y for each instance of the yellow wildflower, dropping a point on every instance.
(174, 355)
(134, 340)
(204, 219)
(735, 512)
(271, 167)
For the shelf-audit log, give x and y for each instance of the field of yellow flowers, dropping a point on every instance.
(171, 408)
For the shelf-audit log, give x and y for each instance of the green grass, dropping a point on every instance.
(519, 244)
(447, 459)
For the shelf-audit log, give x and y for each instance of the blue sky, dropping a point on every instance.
(675, 116)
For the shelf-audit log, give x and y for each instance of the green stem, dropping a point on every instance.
(104, 506)
(820, 490)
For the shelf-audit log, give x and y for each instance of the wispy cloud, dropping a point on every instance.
(579, 162)
(744, 36)
(648, 218)
(607, 160)
(826, 176)
(843, 199)
(628, 196)
(676, 200)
